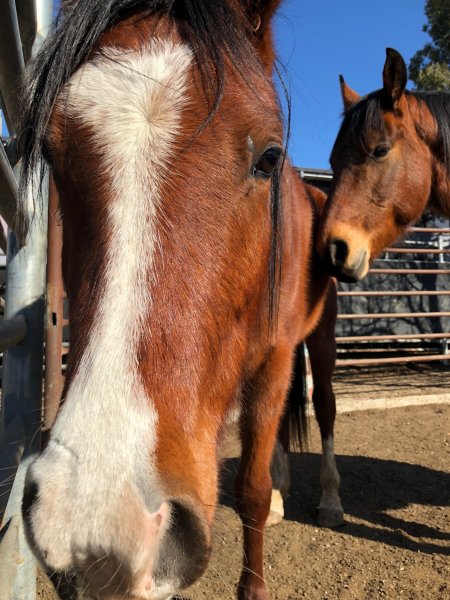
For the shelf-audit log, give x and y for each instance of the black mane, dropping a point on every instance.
(367, 115)
(438, 104)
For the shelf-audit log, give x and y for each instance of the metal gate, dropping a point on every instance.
(23, 24)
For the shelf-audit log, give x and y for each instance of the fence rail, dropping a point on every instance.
(392, 337)
(387, 293)
(362, 338)
(395, 315)
(401, 271)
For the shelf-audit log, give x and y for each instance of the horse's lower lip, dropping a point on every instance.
(345, 274)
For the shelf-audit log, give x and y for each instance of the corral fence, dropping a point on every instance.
(23, 24)
(400, 312)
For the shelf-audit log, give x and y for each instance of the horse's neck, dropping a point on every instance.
(427, 128)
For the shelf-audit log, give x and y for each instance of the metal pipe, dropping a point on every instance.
(44, 14)
(393, 337)
(9, 195)
(11, 63)
(354, 362)
(26, 14)
(418, 250)
(409, 271)
(22, 374)
(23, 366)
(393, 315)
(12, 332)
(12, 446)
(25, 293)
(429, 229)
(391, 293)
(18, 572)
(54, 379)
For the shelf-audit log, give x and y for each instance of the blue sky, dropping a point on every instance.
(318, 39)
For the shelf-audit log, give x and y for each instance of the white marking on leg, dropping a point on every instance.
(281, 481)
(276, 513)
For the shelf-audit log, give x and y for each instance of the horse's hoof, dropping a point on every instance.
(276, 513)
(274, 518)
(329, 517)
(255, 592)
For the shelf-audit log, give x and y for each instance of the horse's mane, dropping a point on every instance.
(367, 115)
(438, 104)
(215, 31)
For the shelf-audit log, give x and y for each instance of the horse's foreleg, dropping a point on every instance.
(279, 471)
(279, 468)
(263, 406)
(322, 352)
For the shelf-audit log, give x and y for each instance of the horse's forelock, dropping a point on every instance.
(218, 33)
(364, 117)
(213, 31)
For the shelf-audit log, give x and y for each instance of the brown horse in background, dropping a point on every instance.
(390, 160)
(189, 266)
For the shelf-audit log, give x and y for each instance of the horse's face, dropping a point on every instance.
(381, 176)
(167, 237)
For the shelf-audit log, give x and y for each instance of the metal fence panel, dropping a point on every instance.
(21, 408)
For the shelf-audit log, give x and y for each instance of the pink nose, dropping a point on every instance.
(104, 573)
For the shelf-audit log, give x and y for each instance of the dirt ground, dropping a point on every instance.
(395, 488)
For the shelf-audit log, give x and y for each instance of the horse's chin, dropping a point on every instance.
(346, 274)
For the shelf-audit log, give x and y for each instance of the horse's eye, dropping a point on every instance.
(267, 162)
(381, 151)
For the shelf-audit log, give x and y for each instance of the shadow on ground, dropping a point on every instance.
(370, 489)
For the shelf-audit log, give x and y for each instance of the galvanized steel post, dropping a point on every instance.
(12, 63)
(23, 364)
(22, 380)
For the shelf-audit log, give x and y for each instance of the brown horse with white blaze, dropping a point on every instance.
(188, 264)
(390, 160)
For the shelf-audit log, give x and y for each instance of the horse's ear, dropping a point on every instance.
(260, 14)
(349, 96)
(394, 76)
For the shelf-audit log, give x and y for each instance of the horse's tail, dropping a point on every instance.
(298, 401)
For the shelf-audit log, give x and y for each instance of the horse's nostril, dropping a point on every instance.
(338, 250)
(29, 496)
(186, 547)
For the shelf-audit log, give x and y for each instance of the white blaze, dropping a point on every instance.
(106, 430)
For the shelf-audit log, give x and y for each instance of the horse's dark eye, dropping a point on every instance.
(267, 162)
(381, 151)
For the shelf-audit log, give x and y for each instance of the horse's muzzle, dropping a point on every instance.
(345, 263)
(172, 552)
